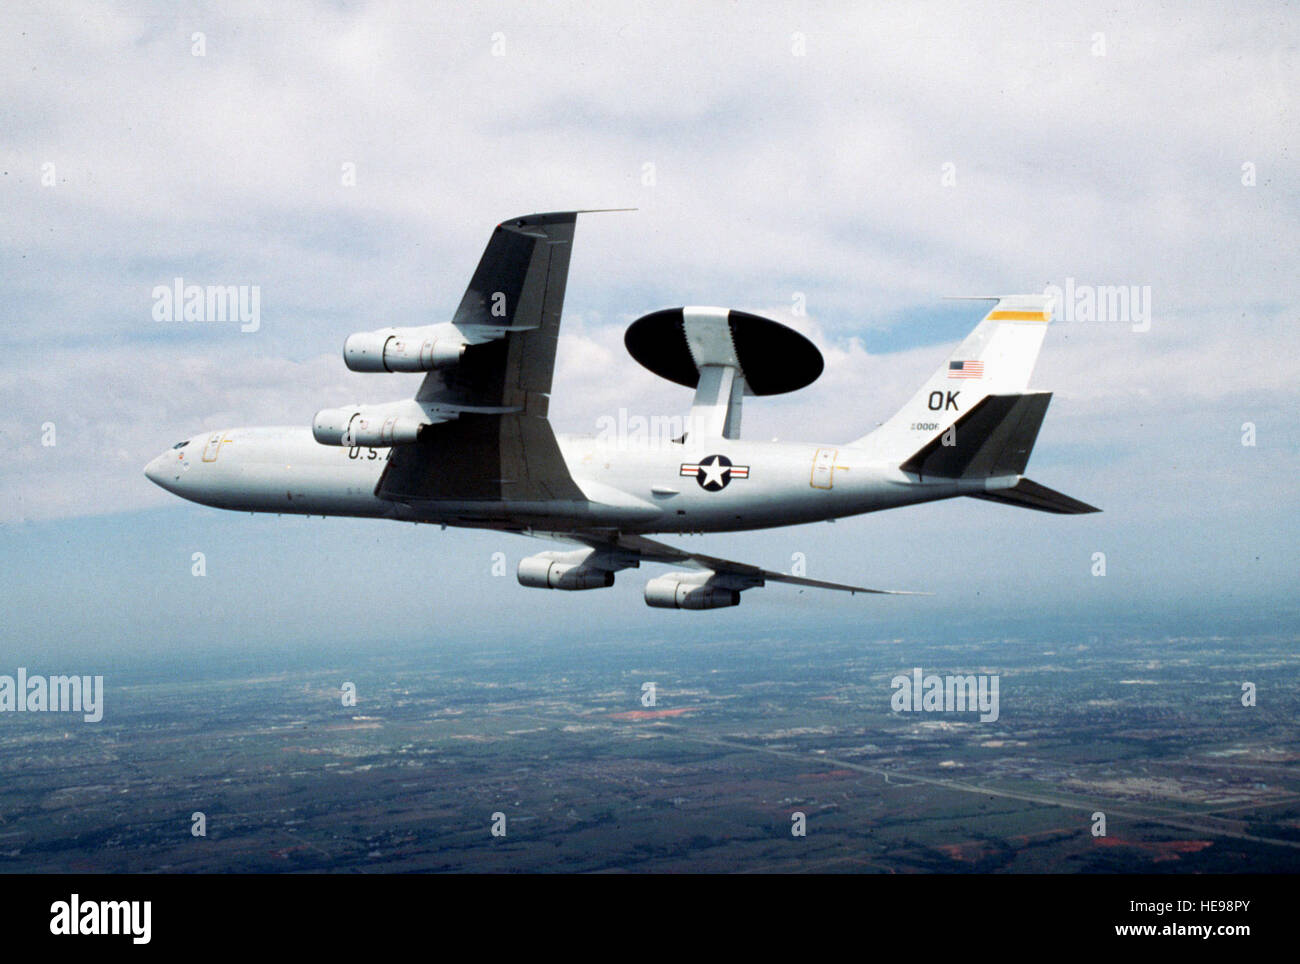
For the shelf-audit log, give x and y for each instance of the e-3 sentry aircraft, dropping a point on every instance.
(474, 446)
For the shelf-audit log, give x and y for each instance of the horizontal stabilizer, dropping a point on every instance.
(1031, 495)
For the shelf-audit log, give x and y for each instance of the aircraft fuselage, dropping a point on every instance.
(718, 485)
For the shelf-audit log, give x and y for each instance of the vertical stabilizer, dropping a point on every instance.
(996, 358)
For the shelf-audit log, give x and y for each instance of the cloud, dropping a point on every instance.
(759, 174)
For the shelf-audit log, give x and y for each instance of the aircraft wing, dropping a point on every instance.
(647, 550)
(513, 301)
(496, 443)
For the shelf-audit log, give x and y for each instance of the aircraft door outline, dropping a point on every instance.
(823, 469)
(212, 448)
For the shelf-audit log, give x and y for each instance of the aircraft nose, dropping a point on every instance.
(154, 471)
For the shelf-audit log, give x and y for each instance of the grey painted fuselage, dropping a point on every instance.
(635, 488)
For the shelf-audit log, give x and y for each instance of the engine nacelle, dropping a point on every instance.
(546, 571)
(684, 590)
(357, 426)
(404, 349)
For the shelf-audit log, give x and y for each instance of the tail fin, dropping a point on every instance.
(992, 440)
(996, 358)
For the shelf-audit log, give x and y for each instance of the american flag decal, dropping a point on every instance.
(965, 369)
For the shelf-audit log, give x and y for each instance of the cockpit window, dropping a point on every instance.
(181, 445)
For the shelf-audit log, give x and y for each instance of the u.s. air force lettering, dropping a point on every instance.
(713, 473)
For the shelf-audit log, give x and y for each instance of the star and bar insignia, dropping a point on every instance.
(714, 472)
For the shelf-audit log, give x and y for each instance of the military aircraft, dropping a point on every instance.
(474, 446)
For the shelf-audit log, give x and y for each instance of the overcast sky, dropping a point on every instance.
(863, 160)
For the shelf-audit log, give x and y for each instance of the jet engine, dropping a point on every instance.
(689, 590)
(404, 349)
(559, 570)
(359, 425)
